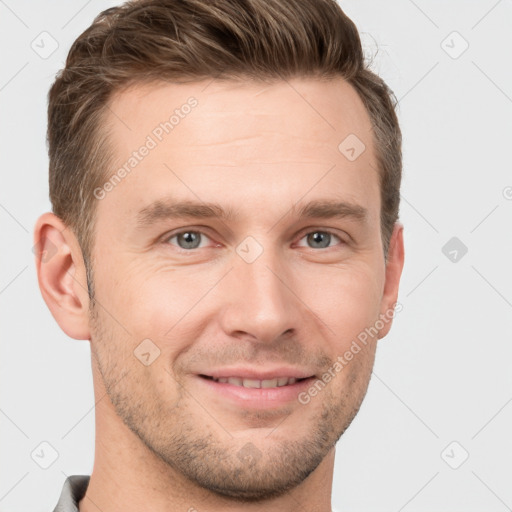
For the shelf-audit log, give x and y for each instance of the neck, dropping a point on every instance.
(128, 476)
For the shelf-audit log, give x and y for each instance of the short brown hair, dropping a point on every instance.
(187, 40)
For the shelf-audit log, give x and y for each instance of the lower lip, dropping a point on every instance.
(262, 398)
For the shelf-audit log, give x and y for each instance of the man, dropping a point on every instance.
(225, 183)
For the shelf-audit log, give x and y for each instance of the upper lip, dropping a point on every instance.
(258, 374)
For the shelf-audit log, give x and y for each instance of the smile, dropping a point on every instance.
(255, 383)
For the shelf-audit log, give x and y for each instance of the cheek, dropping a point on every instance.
(138, 290)
(162, 304)
(347, 299)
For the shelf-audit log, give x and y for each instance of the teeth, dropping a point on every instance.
(250, 383)
(271, 383)
(254, 383)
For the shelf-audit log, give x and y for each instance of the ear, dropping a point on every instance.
(61, 275)
(394, 266)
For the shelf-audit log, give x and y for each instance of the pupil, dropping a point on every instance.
(322, 239)
(190, 240)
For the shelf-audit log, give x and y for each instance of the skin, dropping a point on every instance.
(164, 439)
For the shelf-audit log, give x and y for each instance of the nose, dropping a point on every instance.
(259, 303)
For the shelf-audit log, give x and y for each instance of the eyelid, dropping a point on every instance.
(203, 230)
(310, 230)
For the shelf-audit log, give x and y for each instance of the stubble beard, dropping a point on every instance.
(187, 438)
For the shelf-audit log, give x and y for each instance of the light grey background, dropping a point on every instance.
(442, 375)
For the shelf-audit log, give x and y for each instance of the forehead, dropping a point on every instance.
(228, 110)
(246, 141)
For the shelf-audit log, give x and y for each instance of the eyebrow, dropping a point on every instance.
(169, 209)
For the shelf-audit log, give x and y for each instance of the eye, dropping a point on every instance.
(320, 239)
(187, 240)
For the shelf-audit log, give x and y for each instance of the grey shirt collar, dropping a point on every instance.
(72, 492)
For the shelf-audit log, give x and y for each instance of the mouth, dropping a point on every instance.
(249, 392)
(276, 382)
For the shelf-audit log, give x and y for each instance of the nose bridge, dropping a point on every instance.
(259, 300)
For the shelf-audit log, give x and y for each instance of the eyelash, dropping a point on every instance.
(167, 239)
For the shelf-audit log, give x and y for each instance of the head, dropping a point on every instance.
(225, 186)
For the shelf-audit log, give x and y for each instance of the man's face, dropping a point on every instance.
(265, 292)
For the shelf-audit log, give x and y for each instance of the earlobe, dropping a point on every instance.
(394, 266)
(61, 275)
